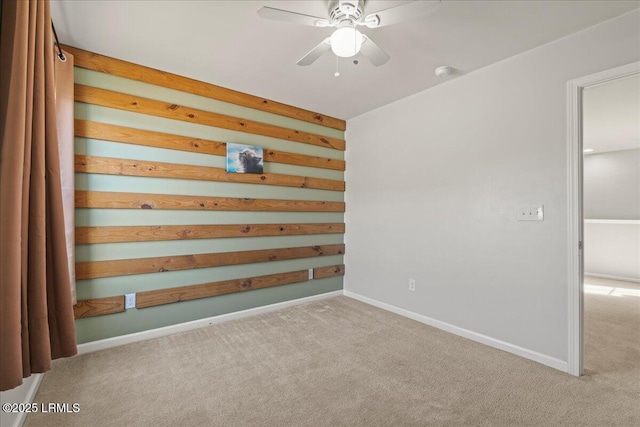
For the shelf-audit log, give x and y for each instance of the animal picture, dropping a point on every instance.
(244, 158)
(250, 162)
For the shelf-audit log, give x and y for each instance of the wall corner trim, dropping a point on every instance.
(543, 359)
(106, 343)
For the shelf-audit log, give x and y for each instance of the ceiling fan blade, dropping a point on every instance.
(315, 53)
(292, 17)
(404, 12)
(373, 53)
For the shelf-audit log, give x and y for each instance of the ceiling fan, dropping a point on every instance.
(346, 15)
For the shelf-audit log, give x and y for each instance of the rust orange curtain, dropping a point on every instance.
(36, 311)
(64, 114)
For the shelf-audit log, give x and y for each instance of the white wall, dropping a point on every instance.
(612, 192)
(24, 393)
(434, 181)
(612, 250)
(612, 184)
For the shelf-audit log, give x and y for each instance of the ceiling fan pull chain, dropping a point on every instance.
(337, 73)
(355, 43)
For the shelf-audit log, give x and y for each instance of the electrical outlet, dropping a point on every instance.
(412, 285)
(129, 301)
(311, 274)
(531, 213)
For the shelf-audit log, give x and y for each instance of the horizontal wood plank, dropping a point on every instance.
(116, 67)
(324, 272)
(110, 305)
(143, 168)
(98, 307)
(125, 267)
(303, 160)
(127, 135)
(206, 290)
(149, 233)
(137, 104)
(114, 200)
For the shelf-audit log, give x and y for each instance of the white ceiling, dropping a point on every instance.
(611, 115)
(227, 44)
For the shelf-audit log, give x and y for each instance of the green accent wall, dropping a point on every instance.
(136, 320)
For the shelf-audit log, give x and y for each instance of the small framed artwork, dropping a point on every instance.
(244, 158)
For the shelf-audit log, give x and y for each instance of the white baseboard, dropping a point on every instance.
(24, 393)
(607, 276)
(552, 362)
(195, 324)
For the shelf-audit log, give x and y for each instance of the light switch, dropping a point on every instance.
(531, 213)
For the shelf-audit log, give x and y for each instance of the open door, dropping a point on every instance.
(575, 218)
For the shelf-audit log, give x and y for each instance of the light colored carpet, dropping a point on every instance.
(341, 362)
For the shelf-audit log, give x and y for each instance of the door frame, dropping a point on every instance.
(575, 219)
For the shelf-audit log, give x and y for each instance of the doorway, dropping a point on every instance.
(611, 208)
(575, 191)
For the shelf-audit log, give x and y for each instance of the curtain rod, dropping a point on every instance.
(60, 54)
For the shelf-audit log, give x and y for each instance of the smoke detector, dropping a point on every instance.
(443, 71)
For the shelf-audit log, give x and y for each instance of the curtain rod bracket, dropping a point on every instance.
(60, 55)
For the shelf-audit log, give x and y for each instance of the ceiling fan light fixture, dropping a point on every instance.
(346, 42)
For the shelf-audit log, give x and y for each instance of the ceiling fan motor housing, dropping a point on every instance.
(345, 12)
